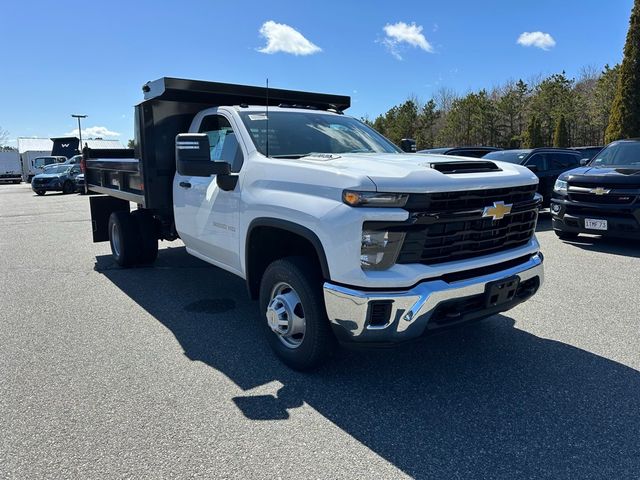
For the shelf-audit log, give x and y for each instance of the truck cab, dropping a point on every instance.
(340, 236)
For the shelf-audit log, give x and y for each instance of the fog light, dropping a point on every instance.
(555, 208)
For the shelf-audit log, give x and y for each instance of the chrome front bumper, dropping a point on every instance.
(411, 310)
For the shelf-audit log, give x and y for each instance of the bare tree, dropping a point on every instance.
(4, 136)
(444, 98)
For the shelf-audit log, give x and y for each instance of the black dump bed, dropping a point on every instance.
(145, 175)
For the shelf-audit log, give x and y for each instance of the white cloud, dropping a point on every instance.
(536, 39)
(399, 33)
(94, 132)
(283, 38)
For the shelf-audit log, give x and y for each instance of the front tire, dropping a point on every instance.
(124, 238)
(67, 187)
(40, 192)
(296, 322)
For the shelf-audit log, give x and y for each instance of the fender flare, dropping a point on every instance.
(287, 226)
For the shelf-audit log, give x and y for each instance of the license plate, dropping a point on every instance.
(595, 224)
(501, 291)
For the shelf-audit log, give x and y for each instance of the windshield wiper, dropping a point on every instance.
(292, 156)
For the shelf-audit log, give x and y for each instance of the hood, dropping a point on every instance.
(49, 176)
(411, 172)
(605, 175)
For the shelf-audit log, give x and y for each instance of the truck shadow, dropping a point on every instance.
(614, 246)
(544, 222)
(488, 400)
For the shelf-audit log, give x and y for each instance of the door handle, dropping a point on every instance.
(185, 184)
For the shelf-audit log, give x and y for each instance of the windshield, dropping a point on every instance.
(58, 169)
(618, 154)
(511, 156)
(42, 161)
(296, 134)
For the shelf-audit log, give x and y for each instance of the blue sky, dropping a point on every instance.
(92, 58)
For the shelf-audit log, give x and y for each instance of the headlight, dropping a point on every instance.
(374, 199)
(560, 187)
(379, 249)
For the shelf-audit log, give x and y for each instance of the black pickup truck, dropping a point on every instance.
(602, 197)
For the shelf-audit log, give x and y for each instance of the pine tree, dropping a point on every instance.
(624, 121)
(561, 134)
(533, 135)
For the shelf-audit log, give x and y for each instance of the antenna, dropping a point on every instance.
(267, 117)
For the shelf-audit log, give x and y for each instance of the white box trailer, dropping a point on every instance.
(10, 169)
(29, 169)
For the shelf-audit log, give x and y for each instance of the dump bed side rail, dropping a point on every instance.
(115, 173)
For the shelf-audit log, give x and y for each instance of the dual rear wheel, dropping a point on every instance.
(293, 316)
(133, 238)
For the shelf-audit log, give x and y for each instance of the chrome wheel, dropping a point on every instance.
(285, 315)
(115, 239)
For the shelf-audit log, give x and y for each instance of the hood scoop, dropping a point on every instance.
(461, 166)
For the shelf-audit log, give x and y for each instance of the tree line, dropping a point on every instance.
(553, 111)
(596, 108)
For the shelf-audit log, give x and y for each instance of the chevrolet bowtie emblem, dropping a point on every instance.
(599, 191)
(497, 211)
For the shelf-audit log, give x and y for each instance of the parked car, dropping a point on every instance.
(587, 153)
(546, 163)
(59, 178)
(474, 152)
(80, 183)
(337, 232)
(602, 197)
(75, 160)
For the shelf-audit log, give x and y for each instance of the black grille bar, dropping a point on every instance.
(442, 202)
(458, 231)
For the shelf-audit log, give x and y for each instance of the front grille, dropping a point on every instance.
(469, 200)
(625, 185)
(597, 212)
(453, 228)
(611, 198)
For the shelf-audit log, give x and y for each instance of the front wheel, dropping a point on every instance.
(40, 192)
(294, 316)
(67, 187)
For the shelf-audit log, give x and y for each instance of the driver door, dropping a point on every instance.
(206, 216)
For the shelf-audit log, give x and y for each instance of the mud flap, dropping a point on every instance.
(101, 209)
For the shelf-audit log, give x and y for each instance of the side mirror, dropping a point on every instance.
(408, 145)
(533, 168)
(584, 162)
(193, 158)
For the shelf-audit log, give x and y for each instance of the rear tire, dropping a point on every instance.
(562, 235)
(40, 192)
(300, 276)
(124, 238)
(148, 231)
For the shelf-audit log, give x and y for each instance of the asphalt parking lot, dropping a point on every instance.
(161, 372)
